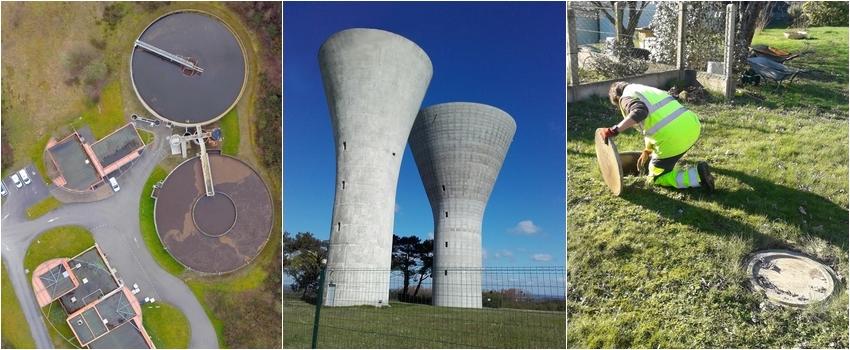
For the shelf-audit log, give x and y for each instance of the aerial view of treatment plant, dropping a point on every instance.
(141, 175)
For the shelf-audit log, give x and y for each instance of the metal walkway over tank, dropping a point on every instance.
(169, 56)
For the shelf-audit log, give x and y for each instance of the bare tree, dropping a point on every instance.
(614, 11)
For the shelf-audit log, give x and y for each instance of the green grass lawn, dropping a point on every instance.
(107, 115)
(43, 207)
(57, 325)
(229, 125)
(663, 268)
(148, 228)
(405, 325)
(58, 242)
(147, 136)
(16, 330)
(166, 325)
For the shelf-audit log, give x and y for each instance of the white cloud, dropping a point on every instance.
(430, 235)
(541, 257)
(484, 253)
(397, 208)
(526, 227)
(504, 253)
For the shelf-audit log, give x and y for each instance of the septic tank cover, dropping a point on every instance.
(790, 278)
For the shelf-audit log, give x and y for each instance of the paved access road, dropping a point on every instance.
(114, 222)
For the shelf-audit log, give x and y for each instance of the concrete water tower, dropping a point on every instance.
(459, 149)
(374, 82)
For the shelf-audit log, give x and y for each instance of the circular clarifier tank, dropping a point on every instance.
(188, 67)
(219, 233)
(790, 278)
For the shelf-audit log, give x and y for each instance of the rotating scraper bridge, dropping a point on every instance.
(213, 212)
(375, 82)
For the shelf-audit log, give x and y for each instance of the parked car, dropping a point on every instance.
(24, 176)
(3, 190)
(17, 181)
(114, 184)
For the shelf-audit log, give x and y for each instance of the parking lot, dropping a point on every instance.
(17, 200)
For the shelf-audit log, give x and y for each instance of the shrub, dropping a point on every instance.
(826, 13)
(113, 13)
(704, 36)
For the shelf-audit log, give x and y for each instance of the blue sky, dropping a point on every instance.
(509, 55)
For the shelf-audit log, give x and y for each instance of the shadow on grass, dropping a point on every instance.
(818, 217)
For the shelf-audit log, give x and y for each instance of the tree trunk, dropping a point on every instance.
(748, 15)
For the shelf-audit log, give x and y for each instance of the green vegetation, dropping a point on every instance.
(662, 268)
(822, 91)
(269, 125)
(405, 325)
(147, 136)
(148, 227)
(58, 242)
(229, 125)
(16, 330)
(57, 325)
(166, 325)
(43, 207)
(825, 13)
(107, 115)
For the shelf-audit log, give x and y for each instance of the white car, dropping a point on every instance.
(24, 176)
(17, 181)
(3, 190)
(114, 184)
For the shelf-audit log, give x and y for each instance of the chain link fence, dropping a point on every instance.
(484, 308)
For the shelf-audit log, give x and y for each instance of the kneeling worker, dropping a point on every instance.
(669, 130)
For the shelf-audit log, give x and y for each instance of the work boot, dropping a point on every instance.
(706, 180)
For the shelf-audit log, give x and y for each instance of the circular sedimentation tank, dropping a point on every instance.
(175, 93)
(790, 278)
(220, 233)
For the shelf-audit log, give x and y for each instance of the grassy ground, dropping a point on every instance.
(662, 268)
(167, 326)
(57, 325)
(43, 207)
(421, 326)
(230, 129)
(147, 136)
(16, 330)
(58, 242)
(36, 101)
(148, 228)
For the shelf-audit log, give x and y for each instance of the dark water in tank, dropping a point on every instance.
(196, 98)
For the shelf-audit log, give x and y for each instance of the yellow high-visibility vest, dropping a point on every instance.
(670, 128)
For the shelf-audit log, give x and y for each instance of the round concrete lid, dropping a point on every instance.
(609, 163)
(790, 278)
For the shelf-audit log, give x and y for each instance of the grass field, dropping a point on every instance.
(662, 268)
(166, 325)
(58, 242)
(148, 228)
(405, 325)
(43, 207)
(16, 330)
(230, 129)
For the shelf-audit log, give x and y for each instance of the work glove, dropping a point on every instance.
(609, 133)
(642, 160)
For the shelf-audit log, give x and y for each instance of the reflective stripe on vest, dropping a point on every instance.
(652, 108)
(693, 178)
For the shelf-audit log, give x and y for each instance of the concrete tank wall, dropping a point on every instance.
(459, 149)
(374, 82)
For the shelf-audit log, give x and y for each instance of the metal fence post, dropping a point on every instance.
(572, 48)
(680, 42)
(320, 299)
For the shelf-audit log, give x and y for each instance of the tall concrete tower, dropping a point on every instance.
(459, 149)
(375, 82)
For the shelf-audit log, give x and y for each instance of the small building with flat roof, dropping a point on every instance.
(102, 312)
